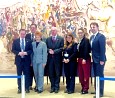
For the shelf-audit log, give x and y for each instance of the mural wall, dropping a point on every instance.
(67, 15)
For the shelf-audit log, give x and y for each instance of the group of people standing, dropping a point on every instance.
(32, 55)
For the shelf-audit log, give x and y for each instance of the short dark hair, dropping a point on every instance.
(22, 30)
(94, 23)
(34, 25)
(82, 29)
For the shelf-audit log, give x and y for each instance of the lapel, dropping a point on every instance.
(95, 40)
(34, 45)
(50, 41)
(38, 45)
(56, 42)
(26, 43)
(96, 37)
(18, 43)
(91, 38)
(82, 41)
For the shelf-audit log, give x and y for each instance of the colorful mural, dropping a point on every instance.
(67, 15)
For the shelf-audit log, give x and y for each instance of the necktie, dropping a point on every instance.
(93, 37)
(53, 38)
(32, 37)
(22, 45)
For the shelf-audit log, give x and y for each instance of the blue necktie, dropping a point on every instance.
(92, 39)
(23, 48)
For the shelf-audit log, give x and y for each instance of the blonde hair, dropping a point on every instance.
(66, 44)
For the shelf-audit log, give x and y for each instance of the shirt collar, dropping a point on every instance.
(55, 36)
(22, 38)
(95, 34)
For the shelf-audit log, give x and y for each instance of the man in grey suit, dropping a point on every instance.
(98, 47)
(55, 45)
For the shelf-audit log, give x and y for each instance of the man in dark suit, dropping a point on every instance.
(55, 45)
(98, 47)
(31, 36)
(22, 48)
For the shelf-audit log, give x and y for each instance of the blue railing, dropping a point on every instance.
(98, 79)
(22, 82)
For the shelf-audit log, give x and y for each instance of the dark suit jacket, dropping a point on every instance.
(57, 46)
(16, 49)
(28, 36)
(99, 48)
(84, 49)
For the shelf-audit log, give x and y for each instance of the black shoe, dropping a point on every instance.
(101, 95)
(35, 89)
(66, 91)
(81, 90)
(30, 88)
(70, 92)
(93, 92)
(27, 91)
(56, 90)
(39, 91)
(19, 91)
(52, 90)
(85, 92)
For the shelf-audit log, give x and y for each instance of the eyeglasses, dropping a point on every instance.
(68, 37)
(80, 32)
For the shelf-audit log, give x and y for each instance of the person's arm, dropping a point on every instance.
(47, 45)
(56, 51)
(75, 51)
(14, 48)
(30, 50)
(102, 43)
(87, 49)
(44, 54)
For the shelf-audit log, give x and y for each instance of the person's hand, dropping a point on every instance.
(64, 60)
(25, 53)
(67, 60)
(21, 53)
(44, 65)
(31, 64)
(51, 51)
(101, 63)
(83, 61)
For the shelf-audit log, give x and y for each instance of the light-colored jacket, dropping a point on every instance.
(39, 53)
